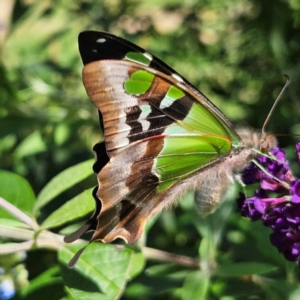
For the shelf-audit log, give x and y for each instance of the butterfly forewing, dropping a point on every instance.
(98, 46)
(95, 46)
(137, 105)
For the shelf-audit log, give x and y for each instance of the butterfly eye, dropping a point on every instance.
(264, 146)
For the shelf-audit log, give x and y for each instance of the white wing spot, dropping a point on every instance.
(101, 40)
(148, 55)
(107, 68)
(94, 50)
(146, 111)
(108, 89)
(177, 77)
(145, 124)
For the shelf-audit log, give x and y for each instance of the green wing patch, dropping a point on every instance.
(186, 108)
(183, 155)
(139, 82)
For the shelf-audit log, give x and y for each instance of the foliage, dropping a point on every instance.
(235, 52)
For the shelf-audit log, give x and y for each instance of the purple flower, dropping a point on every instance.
(295, 191)
(276, 202)
(298, 150)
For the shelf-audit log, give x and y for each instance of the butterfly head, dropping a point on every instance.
(251, 139)
(267, 142)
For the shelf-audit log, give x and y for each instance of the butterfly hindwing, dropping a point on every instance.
(143, 179)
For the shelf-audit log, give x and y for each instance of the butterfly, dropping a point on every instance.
(162, 138)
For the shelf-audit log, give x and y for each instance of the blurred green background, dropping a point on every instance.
(235, 52)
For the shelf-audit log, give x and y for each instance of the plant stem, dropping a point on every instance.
(155, 254)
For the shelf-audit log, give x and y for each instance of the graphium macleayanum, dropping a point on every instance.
(162, 138)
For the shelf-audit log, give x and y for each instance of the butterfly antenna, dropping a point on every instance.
(287, 82)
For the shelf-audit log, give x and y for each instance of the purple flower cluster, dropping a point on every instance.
(276, 202)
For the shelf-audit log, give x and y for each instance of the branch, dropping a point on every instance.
(159, 255)
(13, 210)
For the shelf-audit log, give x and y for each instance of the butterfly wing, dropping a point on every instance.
(138, 102)
(95, 46)
(160, 134)
(98, 46)
(147, 176)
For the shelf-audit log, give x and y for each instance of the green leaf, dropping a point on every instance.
(100, 273)
(17, 191)
(75, 208)
(46, 278)
(61, 133)
(137, 265)
(63, 181)
(242, 269)
(195, 286)
(31, 145)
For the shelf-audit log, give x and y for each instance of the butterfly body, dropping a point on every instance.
(163, 138)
